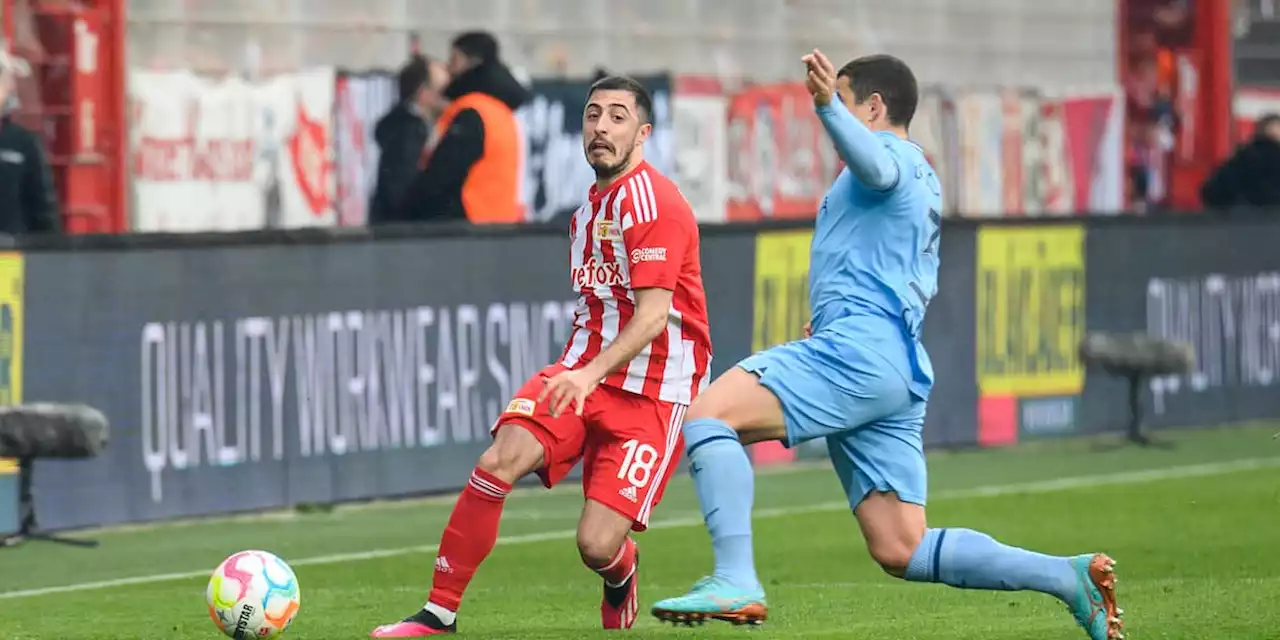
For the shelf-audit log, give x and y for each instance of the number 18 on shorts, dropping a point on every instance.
(629, 444)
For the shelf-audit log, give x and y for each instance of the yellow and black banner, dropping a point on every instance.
(781, 287)
(12, 272)
(1030, 320)
(781, 308)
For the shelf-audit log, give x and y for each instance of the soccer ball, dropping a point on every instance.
(253, 594)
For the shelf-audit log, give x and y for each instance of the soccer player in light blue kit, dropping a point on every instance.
(860, 379)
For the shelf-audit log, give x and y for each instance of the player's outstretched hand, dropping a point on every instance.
(820, 77)
(569, 387)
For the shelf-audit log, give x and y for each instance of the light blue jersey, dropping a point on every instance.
(861, 383)
(875, 253)
(863, 378)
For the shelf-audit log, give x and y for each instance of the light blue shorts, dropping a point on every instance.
(851, 393)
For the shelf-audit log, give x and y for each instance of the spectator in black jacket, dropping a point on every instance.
(28, 203)
(1250, 177)
(402, 135)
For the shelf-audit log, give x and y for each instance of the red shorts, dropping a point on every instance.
(629, 444)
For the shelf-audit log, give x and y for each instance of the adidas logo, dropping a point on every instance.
(628, 492)
(442, 565)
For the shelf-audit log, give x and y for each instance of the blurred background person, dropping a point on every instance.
(1161, 31)
(28, 202)
(471, 169)
(402, 134)
(1251, 176)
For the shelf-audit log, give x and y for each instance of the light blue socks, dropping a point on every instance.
(725, 483)
(971, 560)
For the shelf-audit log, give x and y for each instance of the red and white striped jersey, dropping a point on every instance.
(640, 233)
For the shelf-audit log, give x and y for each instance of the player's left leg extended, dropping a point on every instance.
(631, 452)
(734, 411)
(784, 393)
(527, 438)
(883, 471)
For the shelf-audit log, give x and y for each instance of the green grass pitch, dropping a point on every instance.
(1195, 531)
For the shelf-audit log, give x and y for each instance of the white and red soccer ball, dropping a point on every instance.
(253, 594)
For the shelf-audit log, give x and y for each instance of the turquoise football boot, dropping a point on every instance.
(1094, 606)
(714, 599)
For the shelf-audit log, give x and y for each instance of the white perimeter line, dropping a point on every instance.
(1047, 486)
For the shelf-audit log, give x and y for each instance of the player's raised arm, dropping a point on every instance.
(860, 148)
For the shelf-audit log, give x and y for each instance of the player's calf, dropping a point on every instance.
(968, 559)
(606, 547)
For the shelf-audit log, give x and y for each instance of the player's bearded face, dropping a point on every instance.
(612, 134)
(610, 157)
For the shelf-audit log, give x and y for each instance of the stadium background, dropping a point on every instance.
(190, 342)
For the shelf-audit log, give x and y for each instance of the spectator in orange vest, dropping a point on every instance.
(471, 169)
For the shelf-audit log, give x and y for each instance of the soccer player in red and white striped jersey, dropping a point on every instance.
(639, 354)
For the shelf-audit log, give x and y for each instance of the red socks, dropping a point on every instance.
(621, 566)
(473, 530)
(468, 538)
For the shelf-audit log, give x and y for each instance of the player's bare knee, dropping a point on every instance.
(893, 548)
(514, 454)
(892, 528)
(601, 534)
(717, 402)
(893, 557)
(738, 399)
(598, 543)
(499, 463)
(598, 548)
(702, 410)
